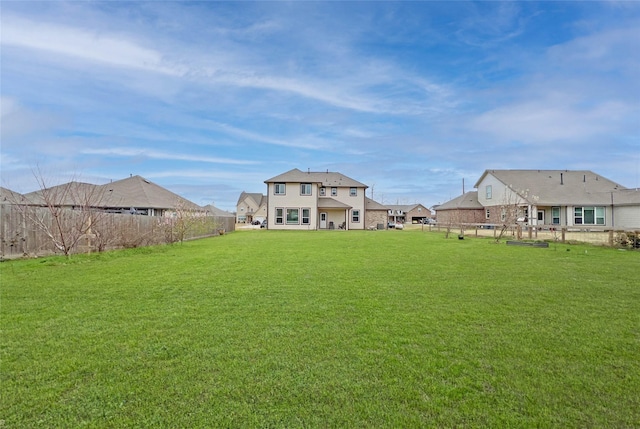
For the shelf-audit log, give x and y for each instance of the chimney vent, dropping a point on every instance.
(561, 179)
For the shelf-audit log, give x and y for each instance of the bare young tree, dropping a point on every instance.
(64, 213)
(188, 221)
(513, 211)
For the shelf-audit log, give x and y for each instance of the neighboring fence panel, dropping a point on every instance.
(21, 236)
(584, 234)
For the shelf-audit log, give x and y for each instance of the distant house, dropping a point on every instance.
(211, 210)
(562, 198)
(462, 209)
(407, 213)
(251, 206)
(135, 195)
(315, 200)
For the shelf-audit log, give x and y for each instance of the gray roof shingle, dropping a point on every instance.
(557, 187)
(326, 179)
(134, 191)
(466, 201)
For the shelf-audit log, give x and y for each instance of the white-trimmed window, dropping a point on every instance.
(555, 215)
(280, 189)
(589, 216)
(306, 216)
(353, 192)
(279, 216)
(305, 189)
(292, 216)
(355, 215)
(488, 191)
(323, 191)
(487, 214)
(334, 191)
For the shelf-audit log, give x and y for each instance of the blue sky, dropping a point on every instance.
(209, 99)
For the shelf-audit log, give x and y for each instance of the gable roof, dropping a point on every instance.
(256, 197)
(134, 191)
(9, 196)
(556, 187)
(215, 211)
(67, 194)
(466, 201)
(373, 205)
(326, 179)
(406, 207)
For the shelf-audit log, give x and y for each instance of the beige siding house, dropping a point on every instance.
(558, 197)
(315, 200)
(250, 207)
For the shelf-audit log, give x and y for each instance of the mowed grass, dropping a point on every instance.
(323, 329)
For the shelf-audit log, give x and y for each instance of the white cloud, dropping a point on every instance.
(540, 122)
(155, 154)
(84, 44)
(18, 121)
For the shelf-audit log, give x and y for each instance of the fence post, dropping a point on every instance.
(564, 230)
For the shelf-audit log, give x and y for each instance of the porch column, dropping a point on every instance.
(569, 216)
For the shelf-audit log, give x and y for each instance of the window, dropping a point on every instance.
(577, 216)
(323, 191)
(334, 191)
(279, 216)
(280, 189)
(292, 216)
(588, 216)
(305, 189)
(555, 215)
(306, 216)
(488, 191)
(353, 192)
(600, 216)
(503, 214)
(355, 216)
(487, 214)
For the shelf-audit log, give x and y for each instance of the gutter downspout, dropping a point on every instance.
(613, 223)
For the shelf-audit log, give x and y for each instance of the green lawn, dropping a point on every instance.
(323, 329)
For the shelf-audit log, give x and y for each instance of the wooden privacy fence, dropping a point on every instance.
(22, 235)
(563, 234)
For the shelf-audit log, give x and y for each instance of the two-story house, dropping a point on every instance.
(250, 207)
(315, 200)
